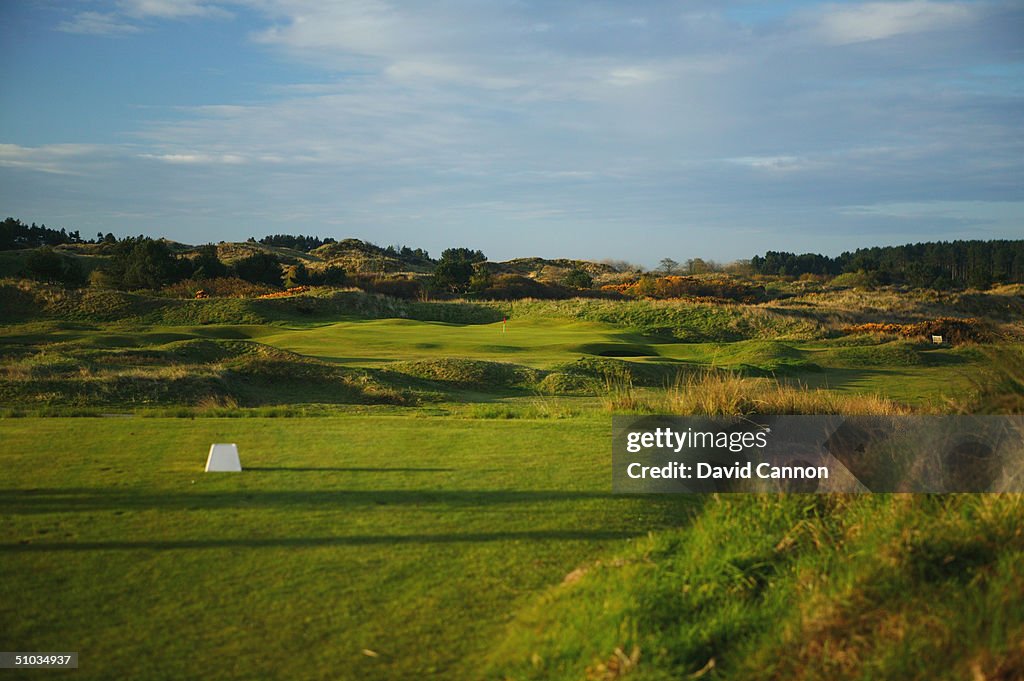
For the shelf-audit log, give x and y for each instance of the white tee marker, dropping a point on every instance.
(223, 458)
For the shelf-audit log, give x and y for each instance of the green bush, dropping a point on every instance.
(46, 264)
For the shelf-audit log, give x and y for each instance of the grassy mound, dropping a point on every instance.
(267, 375)
(796, 587)
(470, 372)
(764, 355)
(31, 300)
(602, 371)
(187, 373)
(568, 383)
(200, 350)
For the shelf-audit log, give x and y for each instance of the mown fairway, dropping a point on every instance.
(350, 548)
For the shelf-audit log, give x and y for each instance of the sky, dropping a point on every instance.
(556, 128)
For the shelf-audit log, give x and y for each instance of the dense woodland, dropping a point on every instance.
(939, 265)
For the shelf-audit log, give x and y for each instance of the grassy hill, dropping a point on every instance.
(231, 252)
(358, 256)
(552, 270)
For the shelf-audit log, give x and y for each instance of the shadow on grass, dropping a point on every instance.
(356, 361)
(836, 378)
(354, 469)
(77, 500)
(319, 542)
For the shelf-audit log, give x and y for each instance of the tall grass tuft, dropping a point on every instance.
(216, 402)
(619, 393)
(999, 389)
(726, 393)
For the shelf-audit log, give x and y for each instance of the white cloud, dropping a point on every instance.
(97, 23)
(170, 9)
(773, 163)
(59, 159)
(625, 76)
(198, 158)
(367, 27)
(981, 211)
(124, 20)
(846, 24)
(538, 51)
(447, 71)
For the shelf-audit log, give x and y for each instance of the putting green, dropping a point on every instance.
(538, 343)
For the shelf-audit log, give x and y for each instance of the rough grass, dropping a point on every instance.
(793, 587)
(727, 393)
(835, 309)
(998, 387)
(690, 322)
(597, 371)
(24, 300)
(191, 372)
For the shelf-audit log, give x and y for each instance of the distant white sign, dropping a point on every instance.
(223, 458)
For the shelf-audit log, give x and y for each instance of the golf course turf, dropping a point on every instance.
(412, 539)
(426, 493)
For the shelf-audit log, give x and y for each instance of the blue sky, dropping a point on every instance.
(598, 129)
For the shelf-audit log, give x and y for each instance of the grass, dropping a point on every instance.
(142, 365)
(190, 372)
(688, 322)
(795, 587)
(716, 393)
(416, 539)
(491, 375)
(426, 492)
(573, 343)
(533, 342)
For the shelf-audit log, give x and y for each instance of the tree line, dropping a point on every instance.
(15, 234)
(145, 263)
(299, 243)
(937, 264)
(310, 243)
(142, 262)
